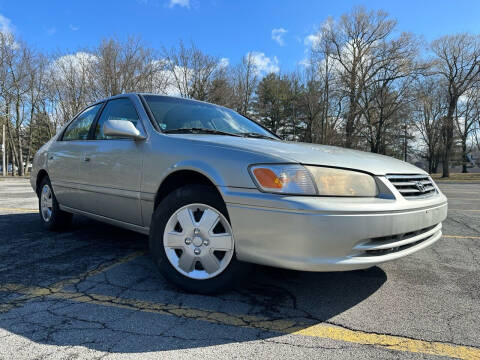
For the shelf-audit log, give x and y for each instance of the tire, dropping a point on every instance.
(52, 217)
(203, 248)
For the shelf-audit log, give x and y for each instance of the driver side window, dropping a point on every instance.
(79, 128)
(117, 109)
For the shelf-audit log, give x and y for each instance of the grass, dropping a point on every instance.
(468, 177)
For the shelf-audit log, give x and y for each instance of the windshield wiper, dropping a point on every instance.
(256, 135)
(199, 131)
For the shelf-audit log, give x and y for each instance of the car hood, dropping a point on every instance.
(312, 154)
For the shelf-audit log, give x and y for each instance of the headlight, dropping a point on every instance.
(283, 179)
(338, 182)
(312, 180)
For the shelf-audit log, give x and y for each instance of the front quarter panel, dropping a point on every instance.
(224, 166)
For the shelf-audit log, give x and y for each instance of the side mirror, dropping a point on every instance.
(122, 128)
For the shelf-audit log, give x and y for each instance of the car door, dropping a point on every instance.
(64, 156)
(110, 170)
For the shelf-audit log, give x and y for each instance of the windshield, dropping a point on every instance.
(172, 114)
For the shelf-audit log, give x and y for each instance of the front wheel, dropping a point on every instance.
(192, 241)
(52, 217)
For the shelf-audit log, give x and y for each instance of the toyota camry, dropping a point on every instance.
(215, 190)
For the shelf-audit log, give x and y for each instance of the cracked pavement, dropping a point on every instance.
(93, 292)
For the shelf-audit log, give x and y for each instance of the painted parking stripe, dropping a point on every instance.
(463, 209)
(461, 237)
(18, 209)
(459, 192)
(29, 293)
(98, 270)
(323, 330)
(463, 198)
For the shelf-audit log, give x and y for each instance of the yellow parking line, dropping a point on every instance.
(102, 268)
(461, 237)
(392, 342)
(325, 331)
(33, 292)
(18, 209)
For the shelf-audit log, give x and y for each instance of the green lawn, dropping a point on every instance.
(469, 177)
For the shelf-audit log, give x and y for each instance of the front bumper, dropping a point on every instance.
(330, 234)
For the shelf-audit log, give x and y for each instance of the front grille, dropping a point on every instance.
(412, 186)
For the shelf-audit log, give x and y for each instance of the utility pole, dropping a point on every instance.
(4, 169)
(405, 143)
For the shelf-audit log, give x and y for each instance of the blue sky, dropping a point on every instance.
(223, 28)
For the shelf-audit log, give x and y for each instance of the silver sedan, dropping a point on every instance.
(215, 190)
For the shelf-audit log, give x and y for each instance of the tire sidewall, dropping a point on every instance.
(183, 196)
(59, 219)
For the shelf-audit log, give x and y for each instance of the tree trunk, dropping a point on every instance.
(20, 155)
(12, 148)
(13, 164)
(308, 134)
(464, 155)
(448, 133)
(352, 109)
(29, 149)
(19, 139)
(430, 164)
(30, 141)
(350, 123)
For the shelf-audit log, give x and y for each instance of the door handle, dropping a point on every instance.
(51, 157)
(86, 158)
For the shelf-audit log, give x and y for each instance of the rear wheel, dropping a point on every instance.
(192, 241)
(52, 217)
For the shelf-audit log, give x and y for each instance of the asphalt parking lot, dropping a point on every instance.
(93, 292)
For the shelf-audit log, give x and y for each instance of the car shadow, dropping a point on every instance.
(33, 257)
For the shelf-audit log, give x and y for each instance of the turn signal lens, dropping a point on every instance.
(284, 179)
(267, 178)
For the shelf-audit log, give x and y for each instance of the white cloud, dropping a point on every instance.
(263, 63)
(181, 3)
(277, 35)
(312, 40)
(7, 29)
(224, 62)
(72, 65)
(5, 25)
(73, 27)
(305, 62)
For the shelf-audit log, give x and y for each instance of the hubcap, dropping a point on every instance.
(46, 203)
(198, 241)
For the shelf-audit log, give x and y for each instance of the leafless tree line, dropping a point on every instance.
(363, 85)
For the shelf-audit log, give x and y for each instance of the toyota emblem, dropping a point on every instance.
(420, 186)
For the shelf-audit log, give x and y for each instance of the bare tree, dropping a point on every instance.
(245, 80)
(192, 70)
(71, 84)
(385, 99)
(127, 66)
(36, 91)
(466, 117)
(356, 41)
(430, 109)
(311, 102)
(458, 62)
